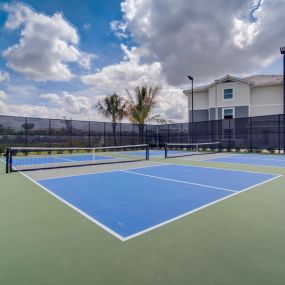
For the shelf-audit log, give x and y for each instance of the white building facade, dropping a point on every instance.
(232, 97)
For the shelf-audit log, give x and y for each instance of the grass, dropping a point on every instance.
(237, 241)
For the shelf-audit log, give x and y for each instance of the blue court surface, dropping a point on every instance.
(56, 159)
(253, 159)
(130, 202)
(152, 152)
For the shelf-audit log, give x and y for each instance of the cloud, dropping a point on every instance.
(69, 103)
(52, 105)
(46, 46)
(119, 29)
(206, 39)
(3, 95)
(4, 76)
(87, 26)
(130, 73)
(23, 110)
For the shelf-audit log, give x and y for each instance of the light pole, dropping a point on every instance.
(192, 103)
(282, 51)
(192, 114)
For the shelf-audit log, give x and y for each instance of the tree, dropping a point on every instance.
(68, 129)
(141, 106)
(28, 126)
(112, 107)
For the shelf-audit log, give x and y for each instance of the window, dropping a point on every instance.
(228, 94)
(228, 113)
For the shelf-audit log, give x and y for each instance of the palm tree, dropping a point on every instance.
(141, 106)
(112, 107)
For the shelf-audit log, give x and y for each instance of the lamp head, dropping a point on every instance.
(282, 50)
(190, 77)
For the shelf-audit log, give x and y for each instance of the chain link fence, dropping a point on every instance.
(249, 134)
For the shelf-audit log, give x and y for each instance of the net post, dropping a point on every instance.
(10, 160)
(165, 150)
(7, 155)
(147, 152)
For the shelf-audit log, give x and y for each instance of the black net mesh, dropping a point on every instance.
(249, 134)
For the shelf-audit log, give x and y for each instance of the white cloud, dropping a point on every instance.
(131, 73)
(23, 110)
(206, 39)
(4, 76)
(244, 33)
(69, 103)
(46, 45)
(87, 26)
(3, 95)
(52, 106)
(119, 28)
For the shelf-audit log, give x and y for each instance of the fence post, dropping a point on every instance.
(133, 134)
(283, 133)
(120, 133)
(145, 141)
(70, 134)
(26, 132)
(229, 142)
(104, 135)
(250, 134)
(181, 133)
(89, 133)
(49, 132)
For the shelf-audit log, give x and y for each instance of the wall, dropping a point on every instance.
(241, 94)
(266, 100)
(199, 115)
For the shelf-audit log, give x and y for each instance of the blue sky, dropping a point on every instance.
(58, 58)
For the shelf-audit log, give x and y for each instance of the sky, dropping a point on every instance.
(58, 58)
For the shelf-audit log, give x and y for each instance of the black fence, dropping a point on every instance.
(250, 134)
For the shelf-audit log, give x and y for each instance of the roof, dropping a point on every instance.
(265, 79)
(253, 81)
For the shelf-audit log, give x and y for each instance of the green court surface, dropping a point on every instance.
(240, 240)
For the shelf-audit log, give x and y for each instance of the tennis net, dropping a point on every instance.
(29, 158)
(173, 150)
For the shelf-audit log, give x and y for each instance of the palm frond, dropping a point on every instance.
(112, 107)
(157, 119)
(142, 104)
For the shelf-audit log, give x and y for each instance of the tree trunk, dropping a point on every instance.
(141, 132)
(114, 125)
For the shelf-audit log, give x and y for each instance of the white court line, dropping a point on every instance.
(257, 158)
(224, 156)
(250, 164)
(225, 169)
(197, 209)
(59, 157)
(76, 209)
(107, 171)
(179, 181)
(158, 165)
(148, 229)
